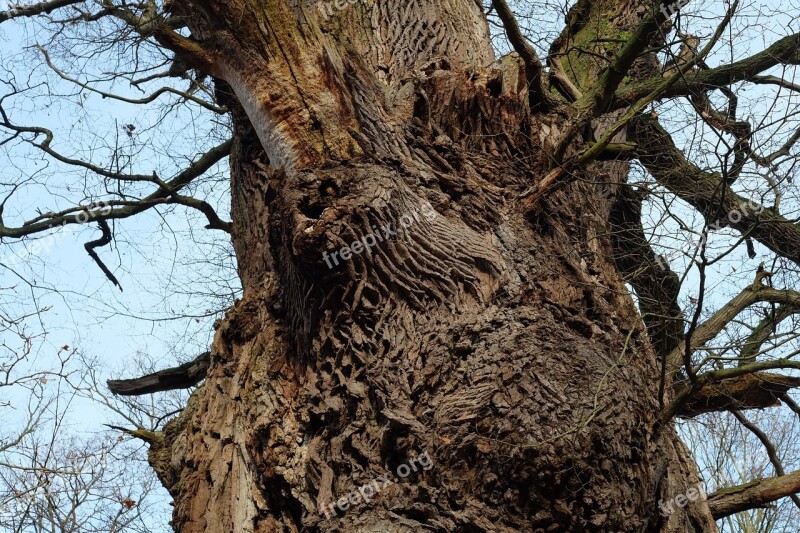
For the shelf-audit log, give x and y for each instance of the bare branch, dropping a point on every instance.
(180, 377)
(709, 194)
(146, 100)
(104, 240)
(537, 92)
(784, 52)
(164, 195)
(763, 331)
(772, 453)
(752, 391)
(757, 292)
(656, 286)
(754, 495)
(17, 10)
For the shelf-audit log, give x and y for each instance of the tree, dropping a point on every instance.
(433, 246)
(50, 480)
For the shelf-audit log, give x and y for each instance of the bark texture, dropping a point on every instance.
(503, 345)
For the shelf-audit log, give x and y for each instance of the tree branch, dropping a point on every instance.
(686, 394)
(708, 193)
(152, 24)
(138, 101)
(18, 10)
(597, 97)
(772, 453)
(754, 495)
(538, 96)
(757, 292)
(104, 240)
(165, 194)
(751, 391)
(180, 377)
(786, 51)
(762, 332)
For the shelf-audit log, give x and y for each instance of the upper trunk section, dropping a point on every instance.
(303, 71)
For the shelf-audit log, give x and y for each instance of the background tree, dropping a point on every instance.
(51, 480)
(490, 325)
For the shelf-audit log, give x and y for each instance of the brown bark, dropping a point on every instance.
(505, 347)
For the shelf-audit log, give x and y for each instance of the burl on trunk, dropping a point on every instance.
(401, 304)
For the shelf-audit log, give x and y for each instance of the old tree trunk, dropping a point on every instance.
(493, 335)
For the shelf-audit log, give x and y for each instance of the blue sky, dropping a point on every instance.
(176, 275)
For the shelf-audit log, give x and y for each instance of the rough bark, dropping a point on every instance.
(504, 346)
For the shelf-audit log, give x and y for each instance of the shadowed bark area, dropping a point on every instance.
(398, 301)
(655, 284)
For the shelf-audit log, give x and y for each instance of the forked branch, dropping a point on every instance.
(538, 96)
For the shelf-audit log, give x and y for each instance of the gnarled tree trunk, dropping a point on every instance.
(497, 339)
